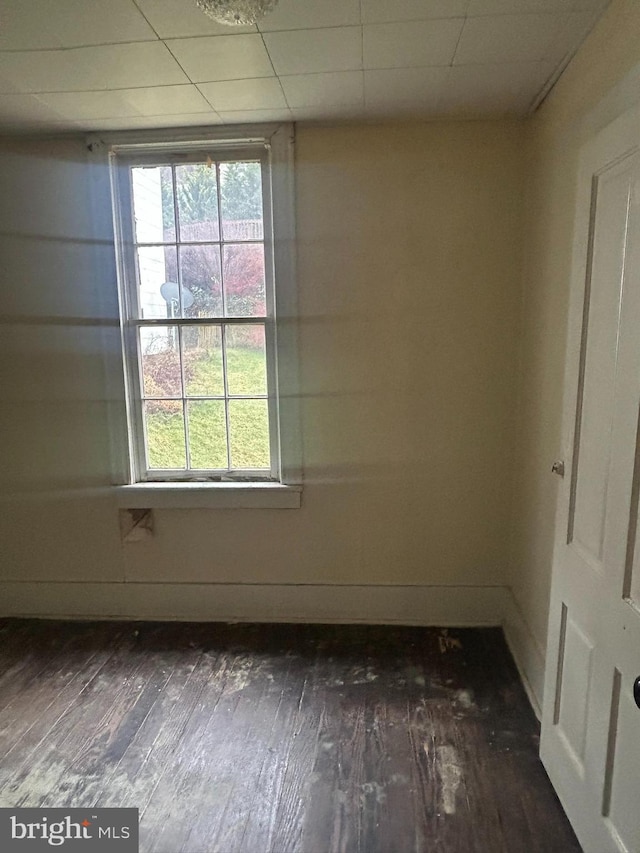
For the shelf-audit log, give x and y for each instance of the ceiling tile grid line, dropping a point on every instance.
(146, 17)
(284, 96)
(78, 23)
(239, 31)
(309, 59)
(203, 66)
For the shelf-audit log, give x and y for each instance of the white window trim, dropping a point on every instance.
(233, 494)
(209, 495)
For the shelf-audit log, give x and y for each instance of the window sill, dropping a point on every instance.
(209, 496)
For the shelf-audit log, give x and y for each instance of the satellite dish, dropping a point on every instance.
(170, 292)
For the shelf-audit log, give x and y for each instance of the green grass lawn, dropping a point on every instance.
(248, 419)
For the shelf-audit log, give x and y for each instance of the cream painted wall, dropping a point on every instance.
(53, 416)
(409, 239)
(553, 140)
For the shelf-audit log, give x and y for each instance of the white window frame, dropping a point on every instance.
(274, 147)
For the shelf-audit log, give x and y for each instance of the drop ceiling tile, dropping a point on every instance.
(521, 105)
(152, 122)
(506, 38)
(40, 24)
(329, 113)
(255, 116)
(311, 51)
(383, 11)
(7, 87)
(16, 108)
(537, 81)
(214, 58)
(166, 100)
(117, 66)
(411, 43)
(414, 87)
(261, 94)
(493, 89)
(337, 89)
(297, 15)
(187, 120)
(180, 18)
(77, 106)
(570, 36)
(518, 7)
(155, 101)
(508, 77)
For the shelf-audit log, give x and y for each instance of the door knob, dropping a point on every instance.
(636, 691)
(558, 467)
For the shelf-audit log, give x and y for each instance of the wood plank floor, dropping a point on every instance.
(274, 738)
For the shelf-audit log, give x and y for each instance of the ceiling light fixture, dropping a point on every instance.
(236, 12)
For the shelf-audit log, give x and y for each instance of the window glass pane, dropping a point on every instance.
(153, 204)
(207, 434)
(244, 286)
(161, 375)
(241, 201)
(202, 356)
(158, 274)
(164, 420)
(201, 281)
(197, 192)
(249, 434)
(246, 360)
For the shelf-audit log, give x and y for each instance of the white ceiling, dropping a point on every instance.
(108, 64)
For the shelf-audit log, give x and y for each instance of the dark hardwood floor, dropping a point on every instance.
(257, 738)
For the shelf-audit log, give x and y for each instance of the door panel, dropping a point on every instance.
(591, 726)
(623, 805)
(610, 203)
(574, 687)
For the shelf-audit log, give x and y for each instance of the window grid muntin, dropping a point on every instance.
(225, 376)
(136, 321)
(176, 225)
(185, 414)
(222, 296)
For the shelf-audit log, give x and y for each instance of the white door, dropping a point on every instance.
(591, 725)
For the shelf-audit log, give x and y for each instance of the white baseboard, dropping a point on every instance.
(380, 604)
(526, 651)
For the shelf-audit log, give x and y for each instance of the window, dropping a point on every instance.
(204, 245)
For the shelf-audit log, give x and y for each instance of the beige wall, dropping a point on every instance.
(409, 240)
(53, 435)
(553, 141)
